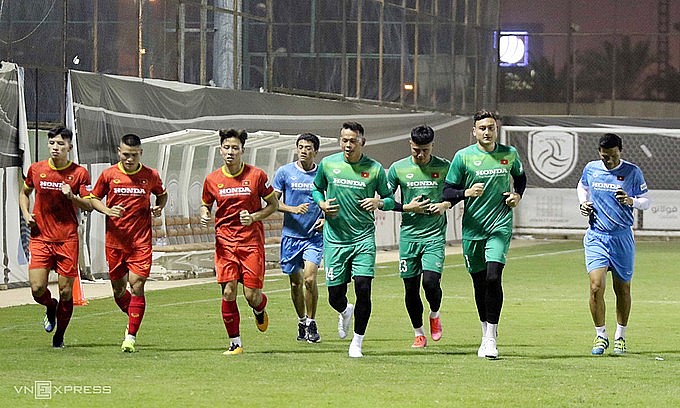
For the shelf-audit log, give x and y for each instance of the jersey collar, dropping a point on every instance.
(50, 163)
(238, 173)
(121, 168)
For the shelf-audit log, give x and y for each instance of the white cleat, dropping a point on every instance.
(344, 323)
(355, 351)
(481, 349)
(490, 350)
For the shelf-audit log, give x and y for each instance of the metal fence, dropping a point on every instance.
(432, 54)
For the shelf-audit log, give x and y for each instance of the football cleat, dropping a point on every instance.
(262, 321)
(344, 323)
(419, 342)
(313, 333)
(600, 344)
(619, 346)
(233, 350)
(436, 328)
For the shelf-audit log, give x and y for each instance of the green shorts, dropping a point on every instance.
(493, 249)
(343, 261)
(416, 257)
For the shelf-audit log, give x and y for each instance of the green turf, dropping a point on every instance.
(544, 344)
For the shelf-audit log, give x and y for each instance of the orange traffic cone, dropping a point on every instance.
(78, 297)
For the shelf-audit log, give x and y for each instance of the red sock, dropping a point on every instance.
(45, 299)
(64, 313)
(262, 304)
(136, 313)
(123, 302)
(231, 318)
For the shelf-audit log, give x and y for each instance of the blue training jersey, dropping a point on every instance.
(296, 185)
(609, 214)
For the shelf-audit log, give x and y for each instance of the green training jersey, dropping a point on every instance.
(413, 181)
(487, 213)
(349, 183)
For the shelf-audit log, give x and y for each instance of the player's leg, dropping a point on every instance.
(291, 265)
(597, 264)
(338, 275)
(42, 260)
(410, 271)
(311, 300)
(363, 270)
(622, 250)
(67, 270)
(433, 265)
(139, 266)
(118, 276)
(494, 304)
(228, 271)
(475, 263)
(252, 269)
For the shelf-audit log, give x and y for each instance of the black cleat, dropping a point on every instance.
(313, 333)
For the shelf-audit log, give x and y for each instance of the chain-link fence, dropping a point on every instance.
(431, 54)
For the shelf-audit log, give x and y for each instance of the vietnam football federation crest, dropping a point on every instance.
(553, 153)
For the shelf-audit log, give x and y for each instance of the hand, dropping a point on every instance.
(66, 190)
(476, 190)
(205, 219)
(318, 225)
(438, 208)
(30, 220)
(418, 205)
(370, 204)
(116, 211)
(246, 218)
(586, 208)
(329, 207)
(512, 199)
(301, 209)
(623, 198)
(156, 211)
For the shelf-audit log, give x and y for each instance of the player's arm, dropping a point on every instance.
(97, 204)
(269, 209)
(284, 208)
(520, 184)
(84, 204)
(585, 206)
(161, 200)
(25, 205)
(386, 201)
(204, 213)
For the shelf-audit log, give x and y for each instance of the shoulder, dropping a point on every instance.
(440, 161)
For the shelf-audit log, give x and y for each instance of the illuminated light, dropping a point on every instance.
(408, 87)
(513, 48)
(142, 51)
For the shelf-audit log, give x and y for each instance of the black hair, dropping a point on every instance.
(354, 127)
(609, 140)
(239, 134)
(483, 114)
(310, 137)
(62, 131)
(422, 135)
(131, 140)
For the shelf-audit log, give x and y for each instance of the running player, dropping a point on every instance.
(608, 191)
(480, 174)
(127, 186)
(422, 238)
(345, 188)
(60, 187)
(301, 238)
(238, 189)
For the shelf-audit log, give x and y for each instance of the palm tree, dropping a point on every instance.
(622, 67)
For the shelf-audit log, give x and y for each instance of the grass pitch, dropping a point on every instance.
(544, 343)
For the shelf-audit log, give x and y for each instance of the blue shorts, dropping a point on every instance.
(614, 251)
(295, 251)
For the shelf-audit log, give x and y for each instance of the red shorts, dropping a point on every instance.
(122, 261)
(60, 256)
(243, 263)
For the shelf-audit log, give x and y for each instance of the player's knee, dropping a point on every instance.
(310, 283)
(431, 281)
(494, 271)
(337, 298)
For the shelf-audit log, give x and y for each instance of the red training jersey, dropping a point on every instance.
(55, 216)
(132, 191)
(234, 193)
